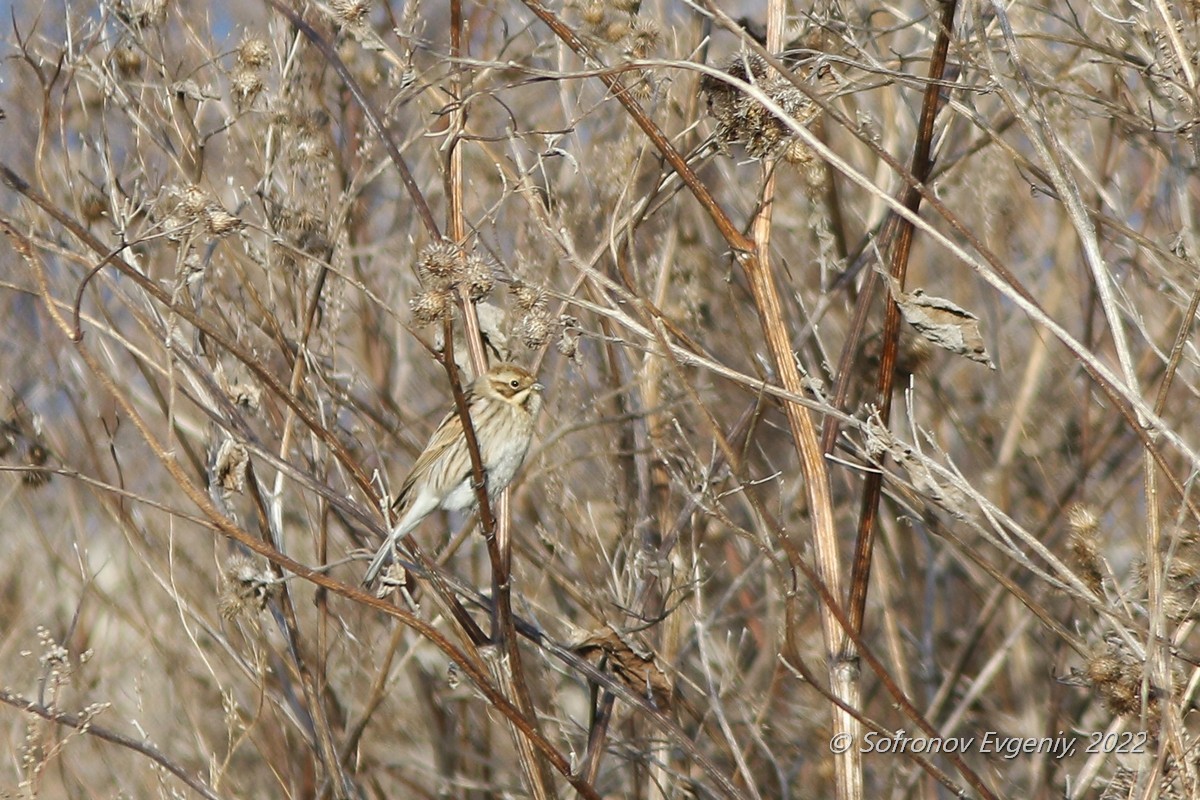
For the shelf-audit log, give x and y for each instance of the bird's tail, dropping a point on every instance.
(381, 558)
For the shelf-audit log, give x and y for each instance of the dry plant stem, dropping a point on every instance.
(717, 708)
(272, 526)
(1127, 401)
(902, 701)
(354, 730)
(864, 544)
(762, 283)
(18, 184)
(1161, 649)
(858, 326)
(253, 364)
(1046, 142)
(843, 672)
(419, 626)
(23, 245)
(602, 713)
(232, 531)
(1189, 316)
(1005, 584)
(612, 81)
(84, 724)
(324, 743)
(576, 664)
(1051, 151)
(330, 55)
(338, 780)
(503, 657)
(791, 654)
(799, 669)
(372, 115)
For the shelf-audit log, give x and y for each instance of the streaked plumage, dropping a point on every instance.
(503, 404)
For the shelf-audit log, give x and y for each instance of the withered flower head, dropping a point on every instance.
(1084, 528)
(441, 265)
(247, 588)
(350, 12)
(253, 52)
(245, 85)
(36, 454)
(534, 327)
(527, 296)
(431, 306)
(742, 119)
(229, 466)
(478, 276)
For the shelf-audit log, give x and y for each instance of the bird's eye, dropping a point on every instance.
(516, 384)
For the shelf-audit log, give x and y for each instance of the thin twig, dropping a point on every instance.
(84, 723)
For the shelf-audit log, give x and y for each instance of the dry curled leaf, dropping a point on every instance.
(879, 440)
(631, 662)
(229, 466)
(941, 322)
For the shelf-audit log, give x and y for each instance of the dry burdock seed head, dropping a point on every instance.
(534, 327)
(568, 338)
(253, 52)
(644, 37)
(1117, 675)
(1181, 576)
(246, 588)
(441, 265)
(245, 85)
(593, 14)
(477, 276)
(742, 119)
(642, 89)
(526, 296)
(219, 222)
(431, 306)
(798, 153)
(615, 30)
(192, 202)
(350, 12)
(229, 466)
(1084, 527)
(241, 393)
(536, 323)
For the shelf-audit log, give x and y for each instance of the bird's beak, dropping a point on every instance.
(537, 387)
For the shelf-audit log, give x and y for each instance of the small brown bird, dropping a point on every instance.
(503, 404)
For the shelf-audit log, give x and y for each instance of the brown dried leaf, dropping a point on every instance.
(630, 661)
(941, 322)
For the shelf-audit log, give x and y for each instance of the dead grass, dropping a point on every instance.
(221, 206)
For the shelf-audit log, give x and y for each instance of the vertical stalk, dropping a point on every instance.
(844, 677)
(922, 163)
(503, 658)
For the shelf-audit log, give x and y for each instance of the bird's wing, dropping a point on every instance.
(445, 436)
